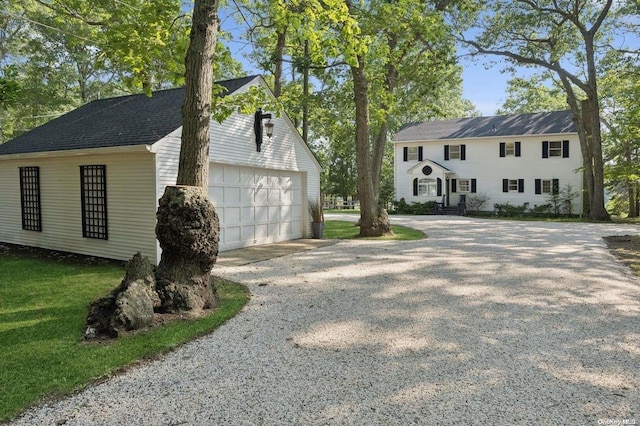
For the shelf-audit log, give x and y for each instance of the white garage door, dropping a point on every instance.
(255, 205)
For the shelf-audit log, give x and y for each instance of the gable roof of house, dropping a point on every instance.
(478, 127)
(120, 121)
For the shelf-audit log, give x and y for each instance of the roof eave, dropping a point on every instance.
(483, 137)
(79, 152)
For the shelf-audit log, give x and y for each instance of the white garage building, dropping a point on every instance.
(88, 182)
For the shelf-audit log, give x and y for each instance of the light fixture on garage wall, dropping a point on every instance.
(257, 127)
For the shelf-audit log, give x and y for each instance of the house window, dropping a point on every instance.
(512, 185)
(454, 152)
(93, 187)
(547, 186)
(464, 185)
(510, 148)
(30, 198)
(555, 149)
(412, 153)
(427, 187)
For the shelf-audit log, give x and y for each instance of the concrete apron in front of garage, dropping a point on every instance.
(253, 254)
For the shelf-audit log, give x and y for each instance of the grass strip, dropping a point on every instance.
(338, 229)
(43, 307)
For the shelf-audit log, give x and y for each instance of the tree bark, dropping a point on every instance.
(278, 54)
(193, 168)
(187, 223)
(373, 221)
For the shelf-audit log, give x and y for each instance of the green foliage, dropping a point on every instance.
(509, 210)
(43, 306)
(402, 207)
(537, 93)
(475, 202)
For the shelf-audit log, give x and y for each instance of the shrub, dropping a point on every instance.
(508, 210)
(475, 202)
(402, 207)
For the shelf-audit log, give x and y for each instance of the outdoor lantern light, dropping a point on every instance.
(257, 127)
(268, 128)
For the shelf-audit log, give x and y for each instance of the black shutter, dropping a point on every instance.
(419, 153)
(405, 153)
(439, 184)
(545, 149)
(505, 185)
(463, 152)
(473, 186)
(556, 186)
(565, 149)
(503, 149)
(517, 149)
(538, 186)
(446, 152)
(415, 187)
(454, 185)
(520, 185)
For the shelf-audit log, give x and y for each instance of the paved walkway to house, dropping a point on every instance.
(485, 322)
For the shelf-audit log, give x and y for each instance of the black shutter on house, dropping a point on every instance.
(538, 186)
(556, 186)
(565, 149)
(473, 185)
(518, 149)
(405, 153)
(505, 185)
(454, 185)
(520, 185)
(446, 152)
(545, 149)
(503, 149)
(439, 185)
(463, 152)
(415, 187)
(419, 153)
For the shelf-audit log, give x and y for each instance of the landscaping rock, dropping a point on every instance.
(128, 307)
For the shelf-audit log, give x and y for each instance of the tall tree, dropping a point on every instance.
(560, 36)
(538, 93)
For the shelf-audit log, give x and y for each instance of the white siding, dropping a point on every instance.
(130, 204)
(483, 163)
(233, 143)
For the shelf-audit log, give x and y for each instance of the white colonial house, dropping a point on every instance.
(517, 159)
(89, 181)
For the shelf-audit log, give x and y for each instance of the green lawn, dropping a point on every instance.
(338, 229)
(43, 305)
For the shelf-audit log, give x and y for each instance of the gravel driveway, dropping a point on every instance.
(484, 322)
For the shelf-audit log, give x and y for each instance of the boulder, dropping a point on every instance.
(129, 306)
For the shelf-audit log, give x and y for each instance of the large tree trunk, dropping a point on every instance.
(196, 109)
(373, 221)
(188, 226)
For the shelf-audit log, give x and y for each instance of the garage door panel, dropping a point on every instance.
(262, 196)
(248, 215)
(274, 213)
(232, 215)
(231, 175)
(262, 213)
(256, 205)
(216, 194)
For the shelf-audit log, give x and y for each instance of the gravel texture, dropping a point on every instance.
(485, 322)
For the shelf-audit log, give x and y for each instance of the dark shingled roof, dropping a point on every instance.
(479, 127)
(121, 121)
